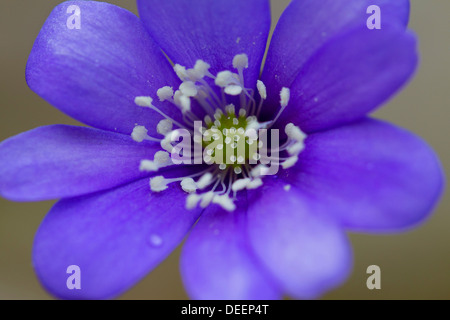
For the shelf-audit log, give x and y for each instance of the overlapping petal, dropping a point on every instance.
(214, 31)
(218, 263)
(349, 77)
(94, 73)
(63, 161)
(307, 252)
(306, 25)
(371, 176)
(115, 238)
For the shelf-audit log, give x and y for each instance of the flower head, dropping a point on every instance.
(276, 167)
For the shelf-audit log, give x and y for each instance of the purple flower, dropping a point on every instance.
(257, 237)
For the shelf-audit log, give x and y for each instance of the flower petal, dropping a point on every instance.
(349, 77)
(307, 252)
(370, 175)
(115, 237)
(306, 25)
(94, 73)
(64, 161)
(217, 263)
(214, 31)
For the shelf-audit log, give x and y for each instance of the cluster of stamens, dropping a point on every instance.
(229, 141)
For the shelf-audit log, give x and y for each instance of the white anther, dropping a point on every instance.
(240, 61)
(253, 125)
(139, 133)
(158, 184)
(225, 202)
(143, 101)
(225, 78)
(205, 180)
(189, 89)
(255, 184)
(164, 127)
(162, 158)
(181, 72)
(259, 170)
(166, 143)
(251, 134)
(262, 89)
(233, 90)
(230, 109)
(182, 101)
(147, 165)
(165, 93)
(208, 120)
(294, 132)
(238, 170)
(296, 148)
(287, 187)
(188, 185)
(206, 199)
(242, 113)
(240, 184)
(201, 69)
(285, 96)
(192, 201)
(290, 162)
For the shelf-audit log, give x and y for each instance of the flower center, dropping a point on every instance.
(230, 145)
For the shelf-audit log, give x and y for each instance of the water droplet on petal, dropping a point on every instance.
(155, 240)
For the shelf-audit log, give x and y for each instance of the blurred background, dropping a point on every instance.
(414, 265)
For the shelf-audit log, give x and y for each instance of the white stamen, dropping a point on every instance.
(225, 78)
(166, 143)
(231, 83)
(206, 199)
(262, 89)
(240, 61)
(201, 69)
(165, 93)
(230, 109)
(233, 90)
(147, 165)
(240, 184)
(255, 184)
(164, 127)
(285, 96)
(181, 72)
(158, 184)
(162, 158)
(290, 162)
(143, 101)
(182, 101)
(294, 132)
(192, 201)
(139, 133)
(189, 89)
(287, 187)
(205, 180)
(188, 185)
(225, 202)
(296, 148)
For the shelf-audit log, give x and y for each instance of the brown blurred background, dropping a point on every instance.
(415, 265)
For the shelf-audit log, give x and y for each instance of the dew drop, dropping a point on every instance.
(155, 240)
